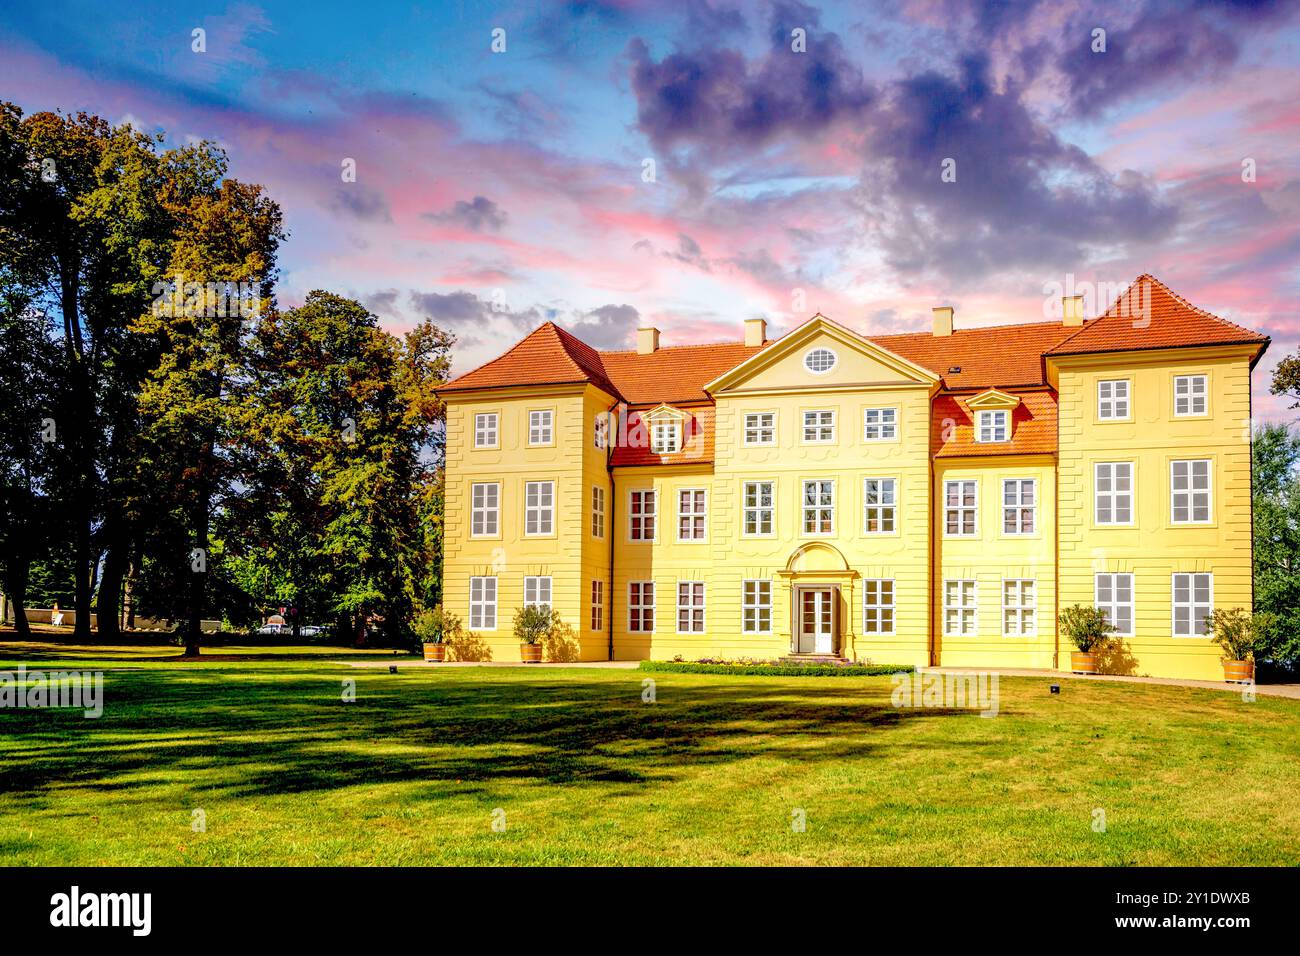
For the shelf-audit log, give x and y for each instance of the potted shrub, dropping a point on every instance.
(1088, 630)
(532, 625)
(433, 628)
(1238, 634)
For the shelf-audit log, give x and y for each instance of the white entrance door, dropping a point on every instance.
(816, 618)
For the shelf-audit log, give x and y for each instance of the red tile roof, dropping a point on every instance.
(1149, 315)
(697, 449)
(1005, 356)
(677, 373)
(1033, 427)
(546, 356)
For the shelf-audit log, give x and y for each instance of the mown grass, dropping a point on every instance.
(587, 772)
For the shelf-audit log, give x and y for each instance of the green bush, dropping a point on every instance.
(1086, 626)
(535, 623)
(436, 626)
(759, 669)
(1238, 633)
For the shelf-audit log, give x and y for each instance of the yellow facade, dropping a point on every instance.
(760, 568)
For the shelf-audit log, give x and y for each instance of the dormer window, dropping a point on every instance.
(666, 438)
(993, 426)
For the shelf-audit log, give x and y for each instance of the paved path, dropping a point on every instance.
(1270, 690)
(1291, 691)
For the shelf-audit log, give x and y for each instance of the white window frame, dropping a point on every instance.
(1109, 400)
(993, 421)
(1113, 496)
(483, 607)
(962, 509)
(758, 509)
(759, 429)
(884, 428)
(541, 427)
(1192, 395)
(1191, 492)
(756, 606)
(1112, 606)
(537, 591)
(695, 607)
(597, 604)
(883, 510)
(483, 430)
(544, 513)
(1023, 607)
(807, 360)
(816, 510)
(879, 599)
(481, 514)
(966, 608)
(697, 514)
(665, 437)
(1019, 507)
(820, 421)
(639, 520)
(600, 433)
(1191, 604)
(637, 606)
(597, 511)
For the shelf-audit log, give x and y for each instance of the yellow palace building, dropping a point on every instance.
(926, 498)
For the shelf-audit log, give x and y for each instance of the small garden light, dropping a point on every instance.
(392, 668)
(1056, 688)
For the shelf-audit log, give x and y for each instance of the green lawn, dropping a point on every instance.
(287, 773)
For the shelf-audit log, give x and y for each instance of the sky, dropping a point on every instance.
(612, 163)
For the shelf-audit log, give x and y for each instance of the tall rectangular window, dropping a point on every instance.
(485, 430)
(756, 607)
(539, 507)
(484, 509)
(760, 428)
(1191, 395)
(600, 434)
(758, 508)
(1019, 607)
(483, 604)
(1019, 505)
(960, 505)
(1193, 599)
(690, 607)
(597, 605)
(877, 606)
(818, 427)
(1112, 399)
(1113, 593)
(537, 592)
(641, 606)
(1113, 492)
(1189, 488)
(818, 507)
(959, 607)
(597, 512)
(691, 515)
(879, 505)
(879, 424)
(641, 516)
(993, 426)
(540, 427)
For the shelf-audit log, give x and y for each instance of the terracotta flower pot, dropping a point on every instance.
(435, 652)
(1238, 672)
(530, 653)
(1083, 662)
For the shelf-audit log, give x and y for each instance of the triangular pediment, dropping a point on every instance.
(821, 354)
(992, 398)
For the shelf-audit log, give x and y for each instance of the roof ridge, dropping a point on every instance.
(492, 361)
(977, 328)
(1195, 308)
(684, 345)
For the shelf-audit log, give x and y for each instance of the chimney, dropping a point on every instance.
(1072, 310)
(942, 319)
(647, 341)
(755, 331)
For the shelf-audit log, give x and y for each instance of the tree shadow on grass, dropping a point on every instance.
(273, 731)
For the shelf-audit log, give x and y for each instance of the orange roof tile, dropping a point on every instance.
(1033, 427)
(997, 355)
(546, 356)
(675, 373)
(633, 446)
(1149, 315)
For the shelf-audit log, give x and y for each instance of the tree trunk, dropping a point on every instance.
(84, 580)
(198, 564)
(110, 592)
(16, 588)
(128, 598)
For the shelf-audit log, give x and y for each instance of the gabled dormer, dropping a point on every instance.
(666, 427)
(992, 409)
